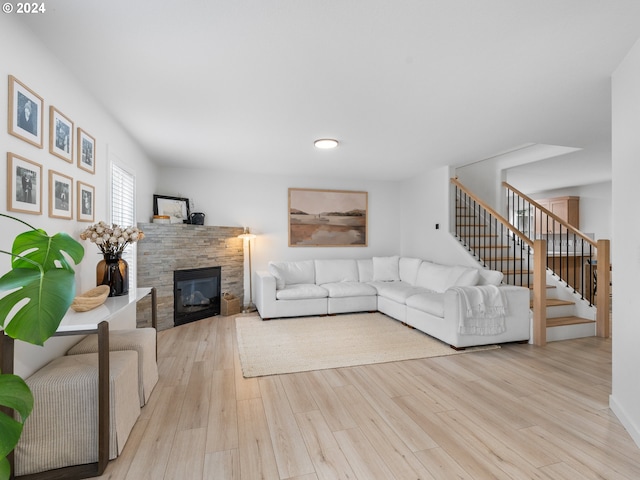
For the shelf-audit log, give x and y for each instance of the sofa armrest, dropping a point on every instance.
(265, 284)
(517, 299)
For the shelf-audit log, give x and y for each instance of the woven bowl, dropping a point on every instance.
(90, 299)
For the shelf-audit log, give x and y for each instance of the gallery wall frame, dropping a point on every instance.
(327, 218)
(177, 208)
(86, 200)
(26, 109)
(60, 195)
(61, 134)
(86, 151)
(24, 185)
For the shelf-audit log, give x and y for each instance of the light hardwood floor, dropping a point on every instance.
(520, 412)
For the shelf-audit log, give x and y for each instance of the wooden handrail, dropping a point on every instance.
(498, 217)
(549, 213)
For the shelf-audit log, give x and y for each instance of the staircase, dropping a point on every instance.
(565, 295)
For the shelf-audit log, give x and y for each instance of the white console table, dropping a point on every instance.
(32, 357)
(99, 320)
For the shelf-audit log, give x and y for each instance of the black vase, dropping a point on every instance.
(113, 271)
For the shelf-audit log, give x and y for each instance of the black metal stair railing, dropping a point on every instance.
(491, 239)
(570, 255)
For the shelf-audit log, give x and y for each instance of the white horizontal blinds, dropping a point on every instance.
(123, 212)
(123, 190)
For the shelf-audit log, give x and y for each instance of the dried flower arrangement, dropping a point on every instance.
(111, 239)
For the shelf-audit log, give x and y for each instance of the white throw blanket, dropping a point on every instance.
(483, 310)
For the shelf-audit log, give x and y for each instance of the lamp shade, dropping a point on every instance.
(246, 234)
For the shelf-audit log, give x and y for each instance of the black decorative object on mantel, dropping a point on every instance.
(178, 208)
(196, 218)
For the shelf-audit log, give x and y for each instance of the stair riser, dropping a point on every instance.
(567, 332)
(560, 311)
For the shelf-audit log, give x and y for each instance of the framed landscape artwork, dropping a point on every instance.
(176, 208)
(86, 202)
(86, 151)
(60, 135)
(25, 112)
(327, 218)
(24, 185)
(60, 195)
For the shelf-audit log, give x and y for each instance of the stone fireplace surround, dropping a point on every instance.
(166, 248)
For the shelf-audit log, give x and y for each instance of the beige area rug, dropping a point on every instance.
(316, 343)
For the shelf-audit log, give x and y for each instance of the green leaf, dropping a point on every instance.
(38, 247)
(15, 394)
(49, 297)
(5, 469)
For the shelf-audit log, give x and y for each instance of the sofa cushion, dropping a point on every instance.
(396, 291)
(386, 269)
(365, 269)
(490, 277)
(330, 271)
(301, 291)
(349, 289)
(429, 302)
(438, 278)
(469, 278)
(292, 273)
(408, 269)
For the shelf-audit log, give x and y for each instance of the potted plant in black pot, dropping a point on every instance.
(41, 287)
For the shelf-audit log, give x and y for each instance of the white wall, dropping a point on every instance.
(484, 179)
(261, 203)
(35, 66)
(426, 202)
(625, 396)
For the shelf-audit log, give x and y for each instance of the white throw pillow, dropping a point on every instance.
(331, 271)
(278, 273)
(386, 269)
(469, 278)
(490, 277)
(365, 270)
(438, 278)
(408, 269)
(292, 273)
(433, 277)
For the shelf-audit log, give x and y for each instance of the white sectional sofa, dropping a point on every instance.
(443, 301)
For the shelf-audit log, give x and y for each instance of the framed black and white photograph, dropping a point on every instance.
(60, 135)
(24, 185)
(176, 208)
(25, 112)
(86, 202)
(60, 195)
(86, 151)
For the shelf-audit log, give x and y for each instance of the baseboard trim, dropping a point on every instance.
(626, 421)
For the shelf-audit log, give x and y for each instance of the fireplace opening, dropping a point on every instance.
(196, 294)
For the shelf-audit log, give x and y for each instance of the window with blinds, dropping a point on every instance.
(123, 212)
(123, 193)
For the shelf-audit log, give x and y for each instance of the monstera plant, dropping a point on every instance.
(41, 286)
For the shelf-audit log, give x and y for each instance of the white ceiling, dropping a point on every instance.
(405, 86)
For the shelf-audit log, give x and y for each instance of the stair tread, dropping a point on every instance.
(480, 235)
(556, 302)
(571, 320)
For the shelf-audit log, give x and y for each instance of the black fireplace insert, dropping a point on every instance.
(196, 294)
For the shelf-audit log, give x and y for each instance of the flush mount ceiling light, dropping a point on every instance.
(325, 143)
